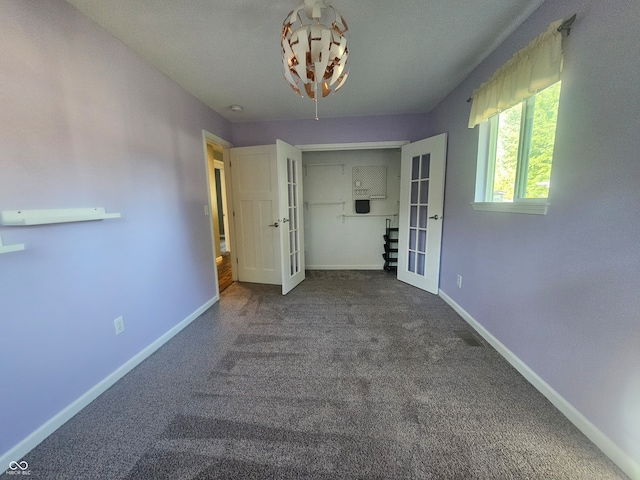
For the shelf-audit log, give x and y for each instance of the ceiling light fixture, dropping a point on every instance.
(314, 49)
(235, 108)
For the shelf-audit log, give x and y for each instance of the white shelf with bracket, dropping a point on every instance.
(15, 218)
(10, 248)
(367, 215)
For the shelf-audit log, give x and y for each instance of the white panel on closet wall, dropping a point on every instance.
(369, 182)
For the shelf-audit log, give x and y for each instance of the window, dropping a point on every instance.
(515, 155)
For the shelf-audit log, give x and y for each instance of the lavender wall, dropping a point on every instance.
(334, 130)
(86, 123)
(561, 290)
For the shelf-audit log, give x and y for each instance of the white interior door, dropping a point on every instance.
(269, 226)
(421, 207)
(254, 178)
(291, 215)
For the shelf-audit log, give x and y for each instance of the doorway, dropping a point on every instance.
(338, 236)
(420, 216)
(219, 216)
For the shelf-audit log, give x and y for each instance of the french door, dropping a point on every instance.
(421, 208)
(289, 160)
(267, 194)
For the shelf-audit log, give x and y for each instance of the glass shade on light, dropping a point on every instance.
(314, 49)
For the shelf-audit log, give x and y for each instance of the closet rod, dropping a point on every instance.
(369, 215)
(323, 203)
(366, 215)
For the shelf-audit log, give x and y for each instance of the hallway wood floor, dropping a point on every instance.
(224, 270)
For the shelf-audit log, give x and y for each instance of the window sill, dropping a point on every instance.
(509, 207)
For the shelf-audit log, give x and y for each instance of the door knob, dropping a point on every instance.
(274, 224)
(435, 217)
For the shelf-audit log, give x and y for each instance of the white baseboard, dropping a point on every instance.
(344, 267)
(627, 464)
(29, 443)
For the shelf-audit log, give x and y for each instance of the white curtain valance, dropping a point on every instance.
(535, 67)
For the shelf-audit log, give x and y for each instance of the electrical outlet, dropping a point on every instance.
(119, 324)
(459, 281)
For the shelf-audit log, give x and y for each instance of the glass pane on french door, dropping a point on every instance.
(418, 213)
(294, 233)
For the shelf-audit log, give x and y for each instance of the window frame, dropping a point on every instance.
(487, 146)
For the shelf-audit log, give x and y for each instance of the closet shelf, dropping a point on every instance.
(364, 215)
(311, 204)
(323, 165)
(18, 218)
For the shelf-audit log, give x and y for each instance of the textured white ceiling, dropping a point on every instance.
(405, 56)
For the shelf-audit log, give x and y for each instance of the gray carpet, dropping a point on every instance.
(353, 375)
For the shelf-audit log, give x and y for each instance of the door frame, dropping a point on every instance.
(222, 215)
(373, 146)
(219, 165)
(208, 137)
(339, 147)
(334, 147)
(214, 210)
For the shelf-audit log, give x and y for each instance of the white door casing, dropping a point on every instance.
(421, 212)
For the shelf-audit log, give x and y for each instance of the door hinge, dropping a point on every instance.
(234, 214)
